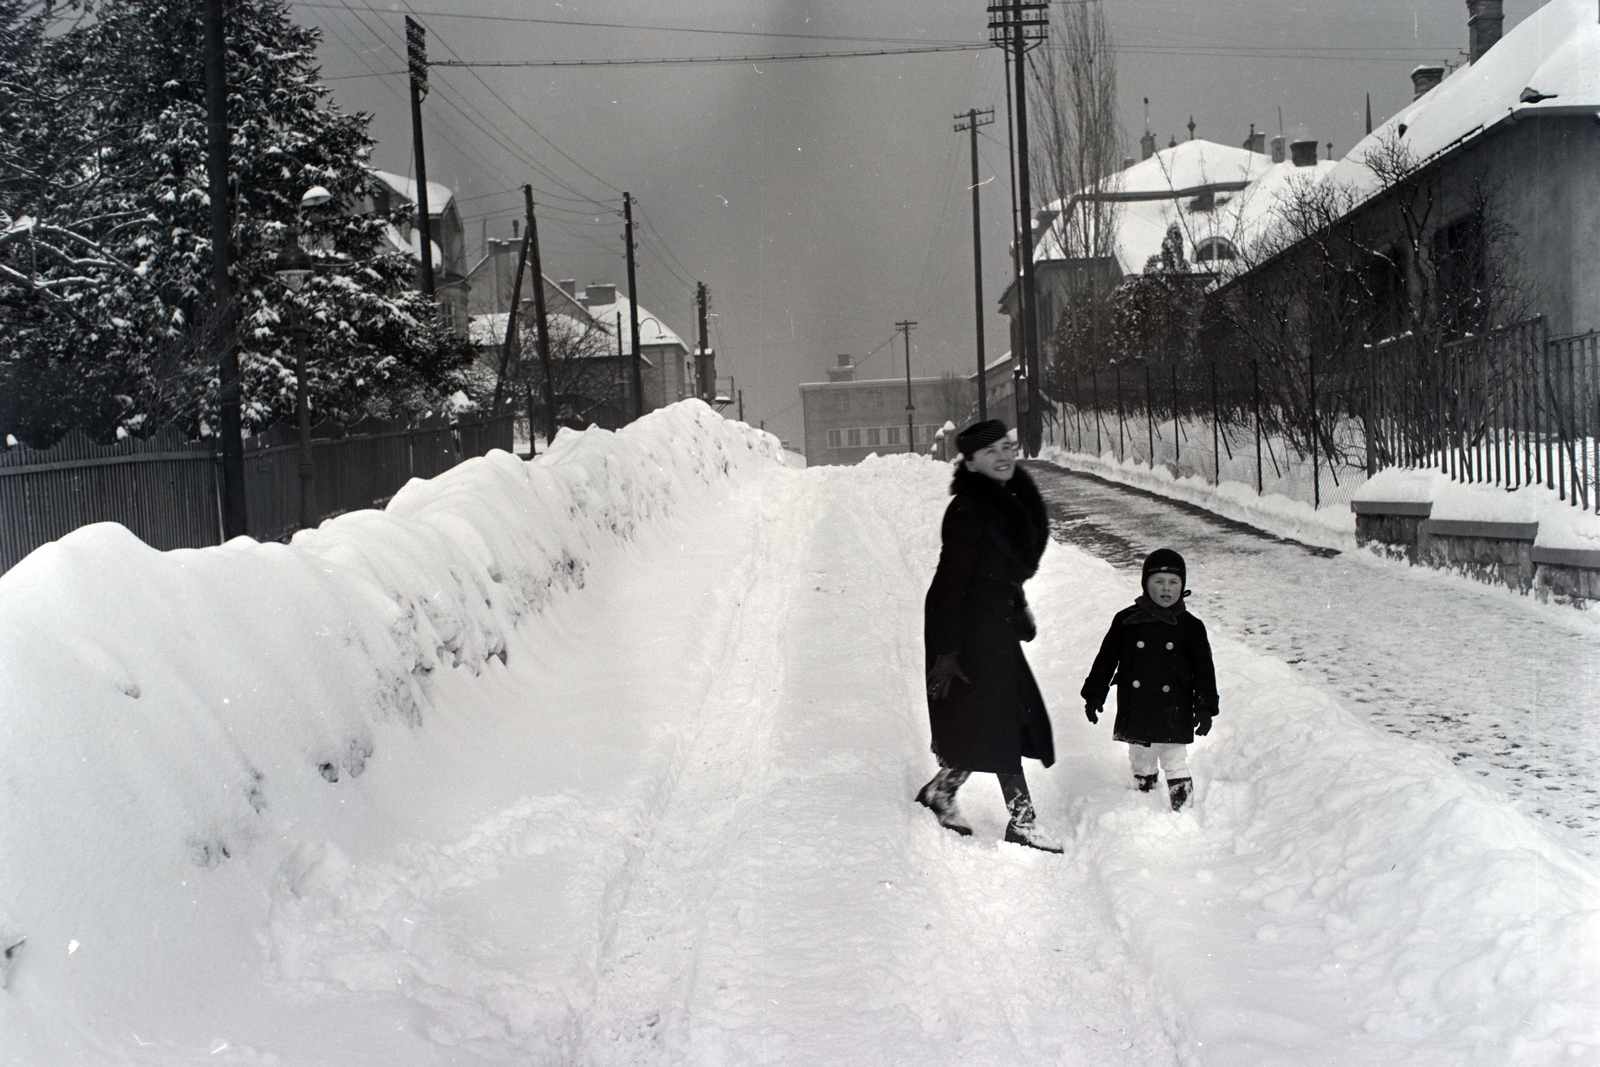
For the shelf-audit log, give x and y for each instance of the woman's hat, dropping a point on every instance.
(979, 435)
(1164, 561)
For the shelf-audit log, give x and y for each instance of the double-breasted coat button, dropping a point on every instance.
(1166, 689)
(1140, 644)
(1136, 683)
(1169, 646)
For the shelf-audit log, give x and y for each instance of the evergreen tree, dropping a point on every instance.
(105, 250)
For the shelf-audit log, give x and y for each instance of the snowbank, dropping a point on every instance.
(175, 722)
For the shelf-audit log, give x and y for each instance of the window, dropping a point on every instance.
(1215, 249)
(874, 436)
(877, 398)
(835, 439)
(855, 438)
(893, 433)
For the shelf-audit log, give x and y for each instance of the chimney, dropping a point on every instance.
(1257, 141)
(1304, 153)
(1277, 149)
(1424, 78)
(1484, 21)
(844, 372)
(569, 286)
(1147, 145)
(599, 295)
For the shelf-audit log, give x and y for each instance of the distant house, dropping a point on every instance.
(449, 251)
(847, 420)
(1505, 150)
(1000, 385)
(599, 392)
(1217, 195)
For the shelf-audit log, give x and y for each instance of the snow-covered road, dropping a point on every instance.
(1507, 687)
(663, 816)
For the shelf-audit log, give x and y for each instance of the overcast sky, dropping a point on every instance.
(823, 200)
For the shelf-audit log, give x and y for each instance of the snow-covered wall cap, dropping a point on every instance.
(1555, 51)
(406, 188)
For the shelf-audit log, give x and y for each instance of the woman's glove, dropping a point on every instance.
(1092, 713)
(945, 670)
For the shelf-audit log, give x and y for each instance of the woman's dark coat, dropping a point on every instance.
(993, 535)
(1161, 663)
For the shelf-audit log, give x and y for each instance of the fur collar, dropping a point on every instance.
(1013, 511)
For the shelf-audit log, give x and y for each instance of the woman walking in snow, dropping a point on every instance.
(983, 705)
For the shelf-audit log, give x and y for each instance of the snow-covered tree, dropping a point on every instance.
(105, 248)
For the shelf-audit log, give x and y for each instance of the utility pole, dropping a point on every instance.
(235, 515)
(417, 63)
(911, 409)
(1017, 23)
(544, 329)
(705, 368)
(741, 405)
(512, 337)
(635, 376)
(974, 119)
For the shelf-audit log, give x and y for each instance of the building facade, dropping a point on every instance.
(847, 420)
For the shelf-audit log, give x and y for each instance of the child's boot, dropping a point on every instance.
(1145, 782)
(1181, 792)
(939, 797)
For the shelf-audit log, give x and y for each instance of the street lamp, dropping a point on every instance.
(293, 266)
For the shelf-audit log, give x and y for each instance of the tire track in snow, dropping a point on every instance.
(656, 915)
(791, 904)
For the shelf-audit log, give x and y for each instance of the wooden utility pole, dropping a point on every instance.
(911, 409)
(543, 327)
(975, 118)
(705, 369)
(235, 517)
(417, 63)
(1012, 24)
(512, 337)
(635, 375)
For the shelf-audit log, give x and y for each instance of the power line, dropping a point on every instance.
(685, 60)
(654, 29)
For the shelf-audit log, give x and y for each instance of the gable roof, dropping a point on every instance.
(1555, 51)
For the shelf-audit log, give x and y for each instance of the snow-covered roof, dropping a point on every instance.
(438, 195)
(1191, 165)
(1165, 189)
(1555, 51)
(652, 331)
(489, 329)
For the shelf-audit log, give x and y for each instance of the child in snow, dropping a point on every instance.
(1158, 655)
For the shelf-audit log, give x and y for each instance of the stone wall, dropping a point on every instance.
(1499, 553)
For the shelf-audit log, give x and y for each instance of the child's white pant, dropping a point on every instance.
(1174, 759)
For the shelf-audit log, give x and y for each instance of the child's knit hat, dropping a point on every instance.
(1164, 561)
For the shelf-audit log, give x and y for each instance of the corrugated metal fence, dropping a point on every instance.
(165, 488)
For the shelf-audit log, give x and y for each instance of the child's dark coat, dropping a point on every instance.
(1163, 671)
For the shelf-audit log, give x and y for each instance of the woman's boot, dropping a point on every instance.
(939, 796)
(1024, 826)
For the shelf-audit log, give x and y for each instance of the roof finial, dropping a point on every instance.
(1191, 127)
